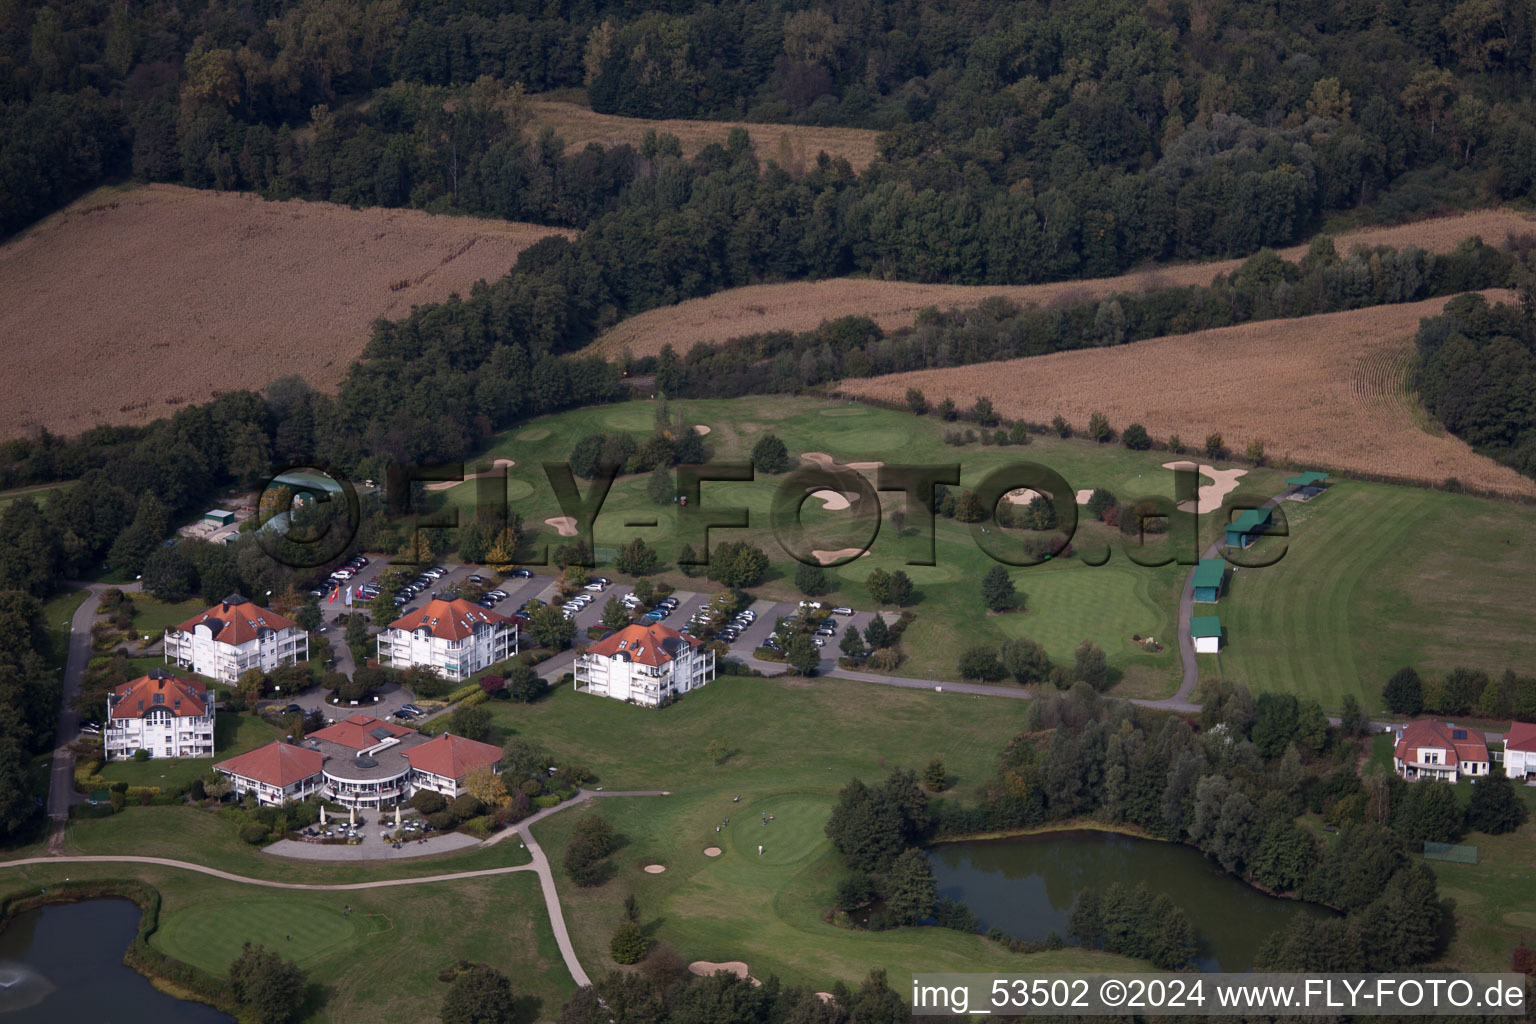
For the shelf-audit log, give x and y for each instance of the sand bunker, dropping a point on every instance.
(700, 428)
(1021, 496)
(655, 869)
(865, 465)
(499, 464)
(825, 997)
(1083, 496)
(820, 458)
(704, 968)
(835, 501)
(1210, 496)
(712, 851)
(565, 526)
(828, 557)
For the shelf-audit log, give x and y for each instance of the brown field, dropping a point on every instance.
(803, 305)
(130, 302)
(792, 146)
(1328, 391)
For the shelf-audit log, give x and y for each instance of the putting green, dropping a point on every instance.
(793, 839)
(533, 434)
(303, 928)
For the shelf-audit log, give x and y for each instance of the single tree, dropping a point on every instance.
(912, 890)
(629, 944)
(901, 588)
(879, 586)
(769, 454)
(471, 721)
(1061, 426)
(524, 684)
(1090, 665)
(811, 579)
(997, 590)
(1214, 447)
(980, 662)
(637, 558)
(1135, 437)
(802, 655)
(1495, 807)
(270, 988)
(917, 403)
(1098, 427)
(481, 996)
(946, 410)
(1254, 453)
(877, 634)
(615, 615)
(659, 487)
(1404, 692)
(719, 750)
(1025, 660)
(935, 776)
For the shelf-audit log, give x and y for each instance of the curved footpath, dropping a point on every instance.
(539, 864)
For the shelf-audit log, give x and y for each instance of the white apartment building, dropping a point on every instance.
(647, 665)
(161, 713)
(234, 636)
(455, 637)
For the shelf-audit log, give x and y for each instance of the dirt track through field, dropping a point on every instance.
(131, 302)
(803, 305)
(1325, 390)
(792, 146)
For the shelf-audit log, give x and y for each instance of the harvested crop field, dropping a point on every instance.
(803, 305)
(131, 302)
(792, 146)
(1328, 391)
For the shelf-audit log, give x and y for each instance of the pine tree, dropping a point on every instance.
(912, 890)
(997, 590)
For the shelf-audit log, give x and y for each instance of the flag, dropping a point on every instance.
(333, 594)
(349, 597)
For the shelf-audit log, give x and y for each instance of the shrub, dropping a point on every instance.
(441, 819)
(479, 827)
(464, 691)
(427, 802)
(465, 806)
(254, 833)
(546, 801)
(141, 755)
(629, 944)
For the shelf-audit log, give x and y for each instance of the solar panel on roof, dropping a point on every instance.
(1458, 734)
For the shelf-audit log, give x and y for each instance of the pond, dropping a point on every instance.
(64, 962)
(1026, 887)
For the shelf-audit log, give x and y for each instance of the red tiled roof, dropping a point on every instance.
(1470, 746)
(452, 757)
(236, 620)
(358, 732)
(276, 764)
(183, 698)
(449, 620)
(645, 645)
(1521, 736)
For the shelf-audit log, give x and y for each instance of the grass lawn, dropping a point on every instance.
(153, 617)
(58, 613)
(39, 492)
(1068, 600)
(794, 744)
(203, 837)
(378, 963)
(1495, 898)
(1378, 577)
(232, 734)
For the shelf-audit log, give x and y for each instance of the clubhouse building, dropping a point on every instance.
(456, 638)
(166, 715)
(649, 665)
(360, 762)
(233, 637)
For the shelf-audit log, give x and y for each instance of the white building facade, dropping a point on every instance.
(648, 665)
(166, 715)
(233, 637)
(455, 638)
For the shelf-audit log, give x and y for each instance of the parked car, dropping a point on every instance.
(667, 602)
(842, 610)
(476, 579)
(521, 574)
(317, 593)
(825, 632)
(596, 587)
(402, 600)
(818, 641)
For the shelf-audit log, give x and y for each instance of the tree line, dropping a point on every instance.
(1233, 784)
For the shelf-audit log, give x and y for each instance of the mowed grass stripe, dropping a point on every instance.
(301, 928)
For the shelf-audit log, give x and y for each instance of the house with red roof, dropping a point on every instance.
(234, 636)
(1520, 750)
(650, 665)
(457, 638)
(166, 715)
(1439, 750)
(360, 762)
(276, 773)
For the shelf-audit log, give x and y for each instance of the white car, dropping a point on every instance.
(842, 610)
(597, 588)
